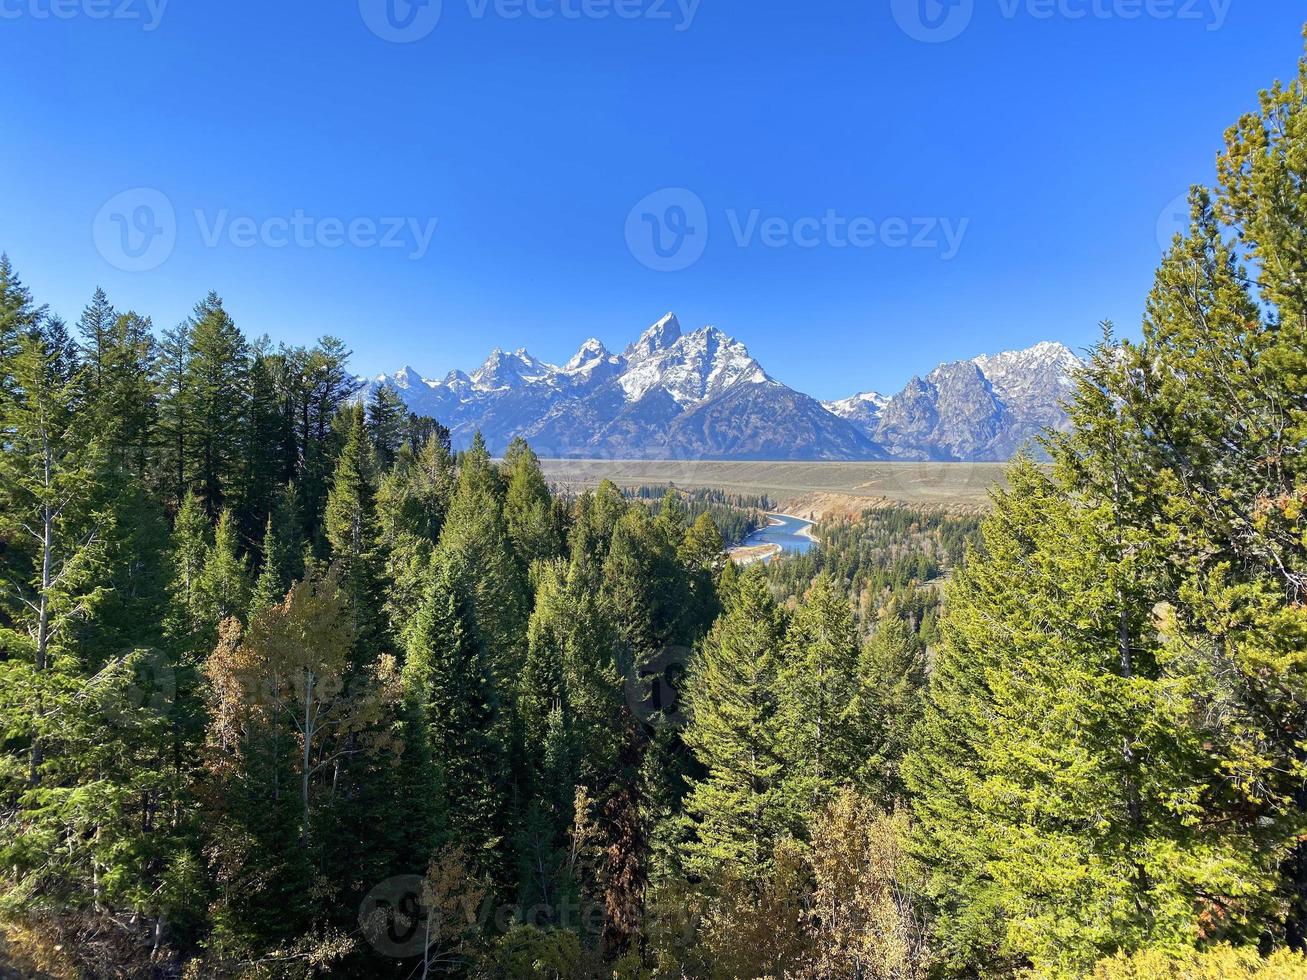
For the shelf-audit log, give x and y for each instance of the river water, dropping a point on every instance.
(784, 531)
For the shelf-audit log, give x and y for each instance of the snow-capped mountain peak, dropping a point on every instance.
(863, 409)
(846, 406)
(590, 354)
(404, 378)
(1045, 369)
(503, 370)
(660, 336)
(703, 395)
(691, 368)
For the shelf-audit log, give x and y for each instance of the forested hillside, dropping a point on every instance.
(288, 689)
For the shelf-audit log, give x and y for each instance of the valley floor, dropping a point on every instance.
(811, 490)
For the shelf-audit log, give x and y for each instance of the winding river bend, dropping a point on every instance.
(785, 532)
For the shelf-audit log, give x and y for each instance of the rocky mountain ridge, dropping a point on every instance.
(702, 395)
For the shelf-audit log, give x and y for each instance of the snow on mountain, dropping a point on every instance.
(691, 367)
(591, 355)
(503, 370)
(405, 378)
(987, 408)
(703, 395)
(1037, 372)
(863, 410)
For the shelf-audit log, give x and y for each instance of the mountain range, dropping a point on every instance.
(702, 395)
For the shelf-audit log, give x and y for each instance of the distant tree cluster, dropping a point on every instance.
(889, 561)
(736, 515)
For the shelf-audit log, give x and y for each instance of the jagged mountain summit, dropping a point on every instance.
(702, 395)
(987, 408)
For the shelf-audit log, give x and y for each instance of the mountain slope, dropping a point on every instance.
(985, 409)
(702, 395)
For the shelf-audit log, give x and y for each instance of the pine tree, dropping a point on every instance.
(50, 576)
(892, 678)
(190, 547)
(736, 808)
(265, 464)
(222, 590)
(449, 689)
(173, 381)
(216, 381)
(125, 398)
(1060, 774)
(351, 528)
(817, 694)
(387, 424)
(476, 536)
(703, 553)
(18, 316)
(273, 581)
(96, 327)
(528, 509)
(324, 387)
(48, 490)
(412, 501)
(592, 531)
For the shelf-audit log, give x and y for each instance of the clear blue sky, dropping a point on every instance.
(1059, 140)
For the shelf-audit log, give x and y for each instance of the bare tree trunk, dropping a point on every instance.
(43, 615)
(305, 756)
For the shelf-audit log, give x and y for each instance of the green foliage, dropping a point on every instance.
(737, 808)
(1061, 741)
(1218, 963)
(222, 589)
(476, 535)
(387, 422)
(452, 700)
(821, 735)
(217, 372)
(351, 529)
(528, 509)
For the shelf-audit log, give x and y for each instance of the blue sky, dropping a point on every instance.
(872, 203)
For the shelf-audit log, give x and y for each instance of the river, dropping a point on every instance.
(784, 531)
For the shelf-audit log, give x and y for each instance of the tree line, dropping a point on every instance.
(284, 678)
